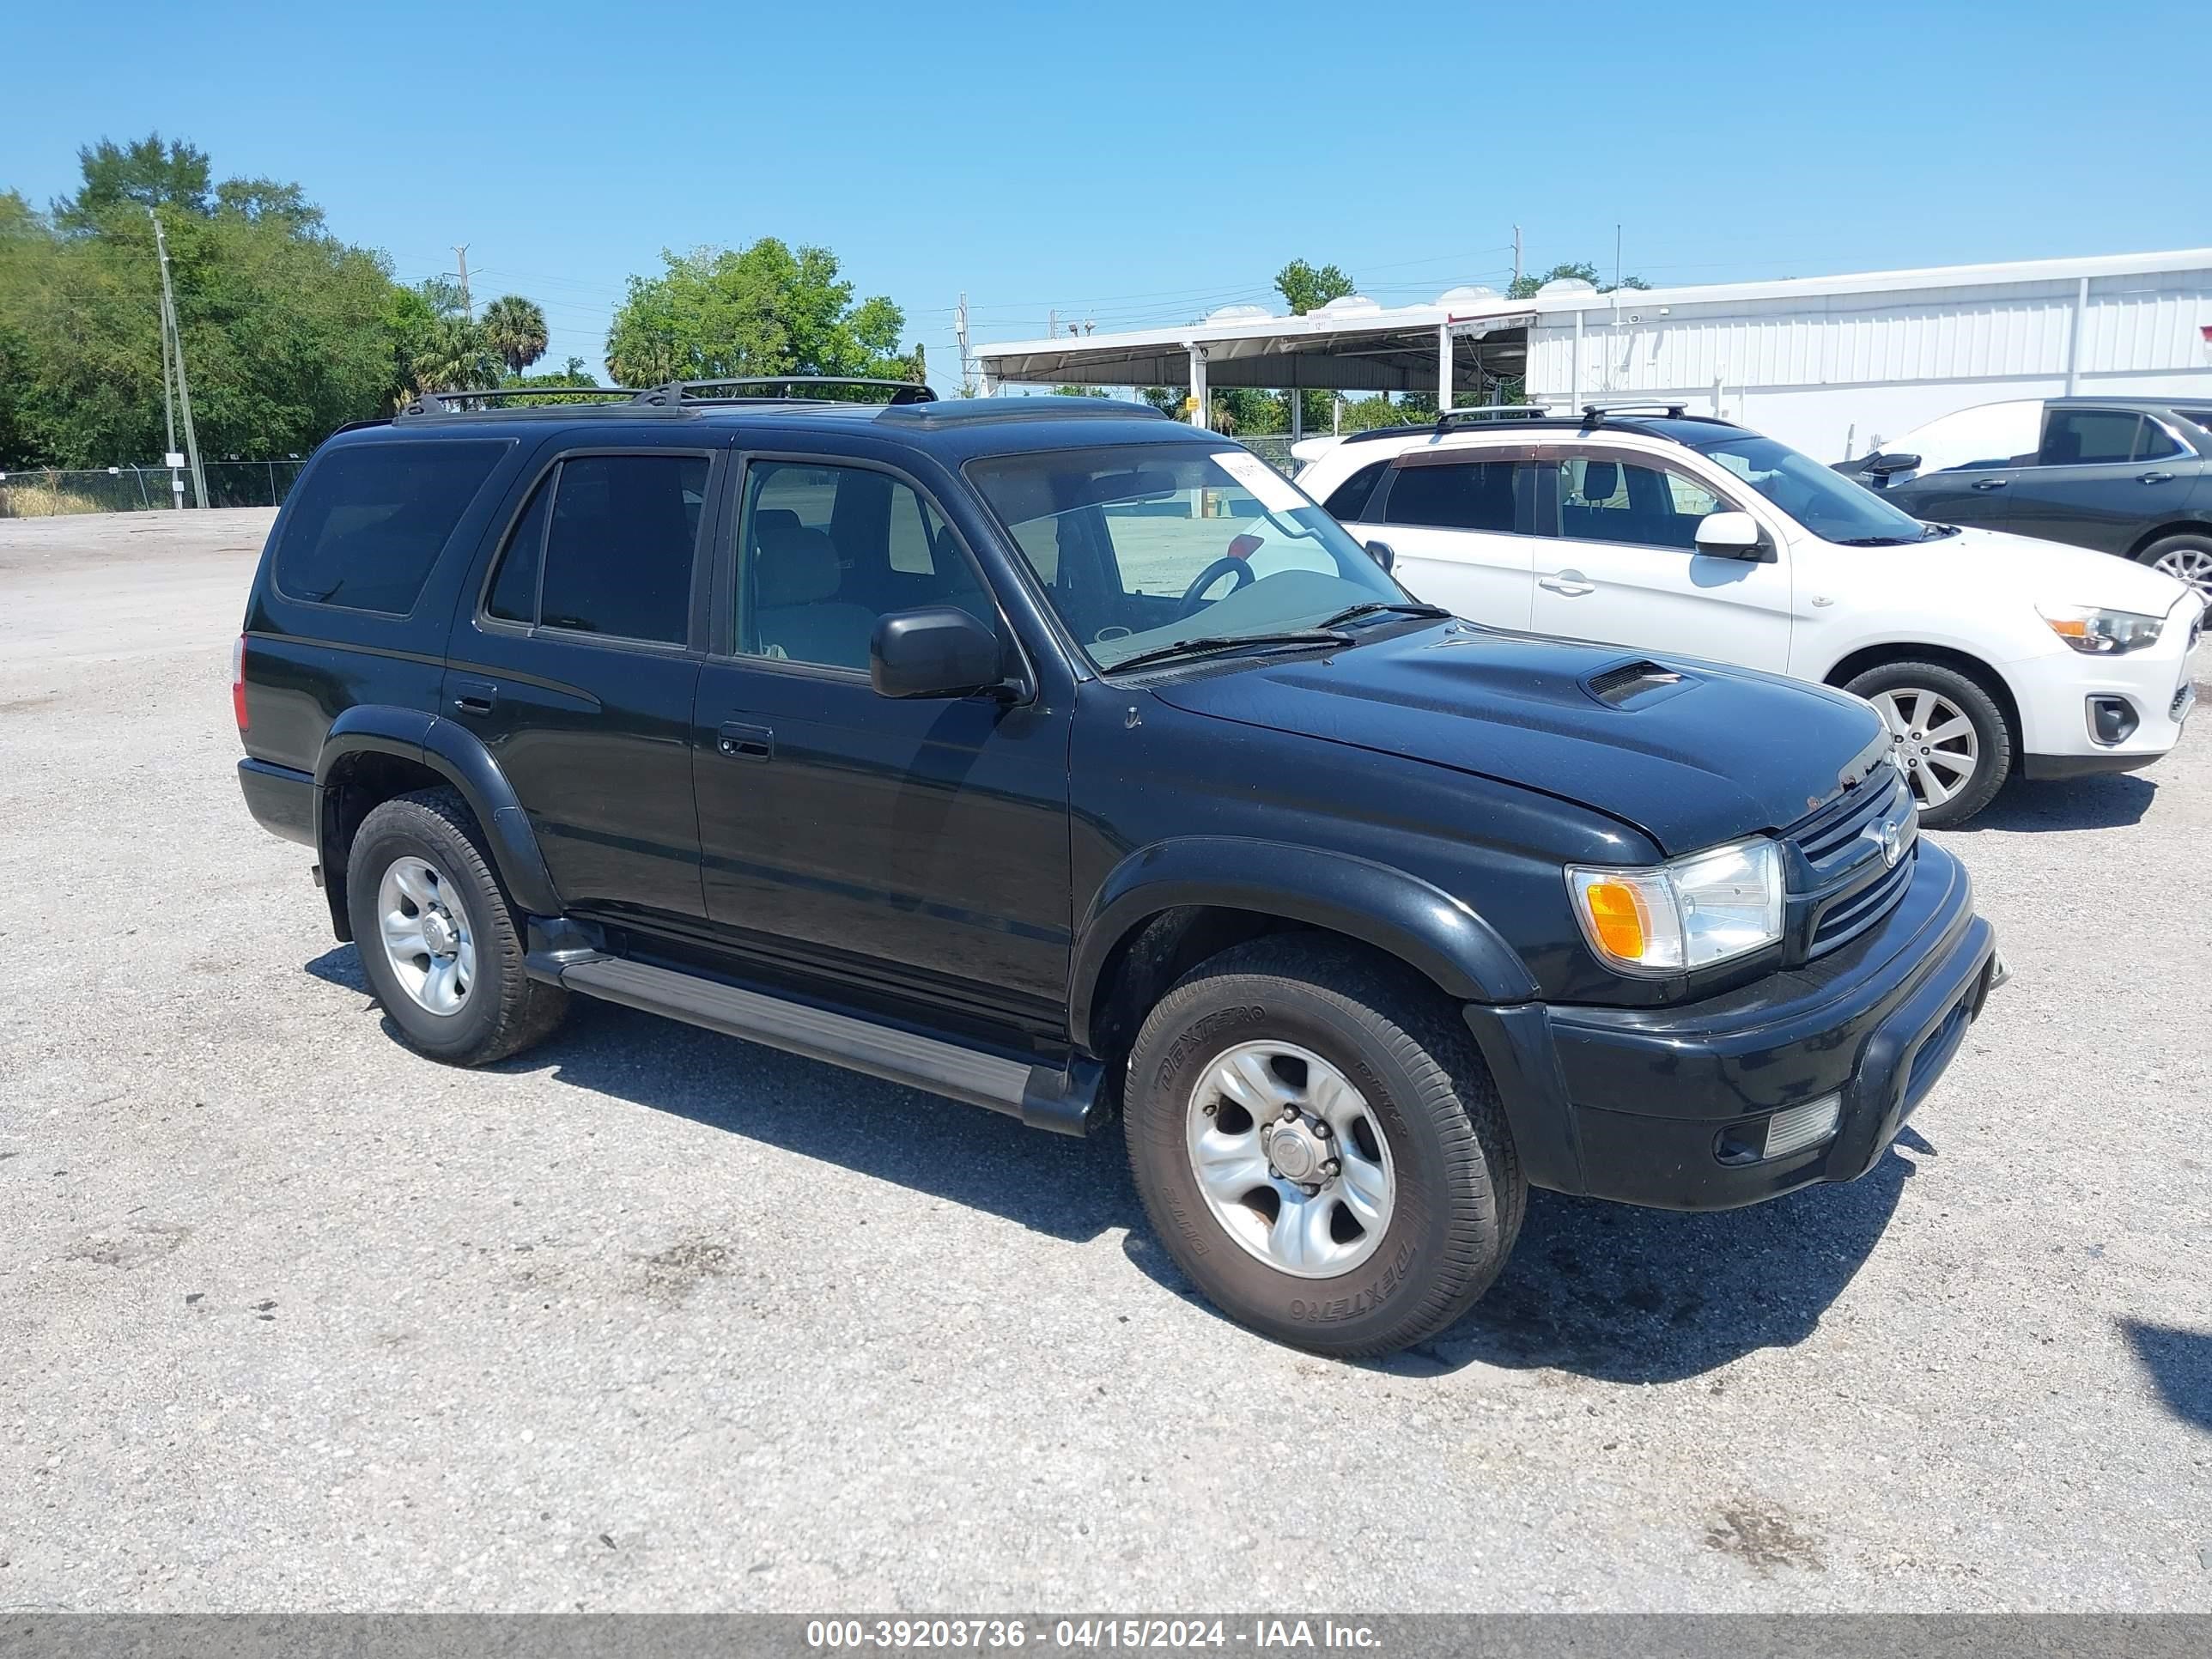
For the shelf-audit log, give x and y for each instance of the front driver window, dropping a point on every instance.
(1612, 501)
(823, 551)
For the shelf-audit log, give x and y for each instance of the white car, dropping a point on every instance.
(1988, 654)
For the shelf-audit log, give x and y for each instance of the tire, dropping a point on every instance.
(1455, 1191)
(2186, 557)
(493, 1010)
(1947, 795)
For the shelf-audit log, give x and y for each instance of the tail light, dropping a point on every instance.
(238, 681)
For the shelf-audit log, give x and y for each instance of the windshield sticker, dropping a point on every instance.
(1264, 485)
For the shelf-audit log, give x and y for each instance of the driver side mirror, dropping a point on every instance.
(1734, 536)
(1382, 553)
(1882, 466)
(939, 652)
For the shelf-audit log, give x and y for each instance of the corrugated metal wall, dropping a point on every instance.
(1907, 355)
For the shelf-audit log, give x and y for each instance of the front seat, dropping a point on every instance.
(796, 612)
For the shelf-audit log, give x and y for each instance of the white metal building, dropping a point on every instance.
(1829, 364)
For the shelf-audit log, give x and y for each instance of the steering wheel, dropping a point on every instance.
(1192, 596)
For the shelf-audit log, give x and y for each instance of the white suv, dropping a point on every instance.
(1986, 652)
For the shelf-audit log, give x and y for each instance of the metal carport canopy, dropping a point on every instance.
(1340, 348)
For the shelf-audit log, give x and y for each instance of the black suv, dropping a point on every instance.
(2132, 476)
(1061, 758)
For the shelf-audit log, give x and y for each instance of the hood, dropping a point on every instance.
(1717, 754)
(2045, 573)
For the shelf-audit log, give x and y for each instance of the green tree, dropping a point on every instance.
(766, 309)
(514, 328)
(1305, 288)
(145, 174)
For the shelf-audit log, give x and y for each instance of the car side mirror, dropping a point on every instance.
(1734, 536)
(1382, 553)
(939, 652)
(1884, 466)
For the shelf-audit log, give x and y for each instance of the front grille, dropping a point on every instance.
(1845, 821)
(1847, 917)
(1842, 884)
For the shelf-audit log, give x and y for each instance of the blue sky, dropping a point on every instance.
(1136, 163)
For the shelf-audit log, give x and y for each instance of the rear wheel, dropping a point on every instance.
(2187, 557)
(1950, 737)
(1319, 1148)
(439, 945)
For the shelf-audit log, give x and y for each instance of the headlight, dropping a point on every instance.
(2101, 633)
(1691, 912)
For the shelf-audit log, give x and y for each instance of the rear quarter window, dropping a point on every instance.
(366, 525)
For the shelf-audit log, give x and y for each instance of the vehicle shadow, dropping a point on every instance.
(2180, 1366)
(1052, 1184)
(2107, 803)
(1602, 1290)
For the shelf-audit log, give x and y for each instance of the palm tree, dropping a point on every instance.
(515, 328)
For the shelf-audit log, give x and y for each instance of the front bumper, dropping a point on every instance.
(2055, 692)
(1635, 1104)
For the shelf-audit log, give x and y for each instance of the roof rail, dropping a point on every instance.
(674, 392)
(474, 402)
(1492, 411)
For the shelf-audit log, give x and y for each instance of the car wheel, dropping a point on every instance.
(1949, 735)
(437, 939)
(1319, 1148)
(2186, 557)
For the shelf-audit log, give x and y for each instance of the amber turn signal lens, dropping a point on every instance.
(1616, 912)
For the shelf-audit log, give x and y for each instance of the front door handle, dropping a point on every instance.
(2155, 477)
(1991, 484)
(474, 696)
(752, 743)
(1569, 582)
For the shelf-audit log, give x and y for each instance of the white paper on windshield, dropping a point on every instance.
(1265, 485)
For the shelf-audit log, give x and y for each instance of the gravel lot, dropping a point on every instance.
(652, 1318)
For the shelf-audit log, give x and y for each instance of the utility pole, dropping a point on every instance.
(1516, 256)
(175, 342)
(960, 334)
(1051, 324)
(1616, 257)
(461, 253)
(169, 415)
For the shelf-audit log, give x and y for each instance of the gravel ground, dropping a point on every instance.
(655, 1319)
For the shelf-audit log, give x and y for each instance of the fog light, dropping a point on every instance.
(1784, 1133)
(2111, 720)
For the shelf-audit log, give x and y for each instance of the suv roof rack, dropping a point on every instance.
(1593, 413)
(476, 402)
(672, 393)
(1492, 412)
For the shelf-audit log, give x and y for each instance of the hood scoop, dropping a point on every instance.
(1633, 682)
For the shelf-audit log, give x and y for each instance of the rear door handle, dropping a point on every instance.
(752, 743)
(1569, 582)
(474, 696)
(1991, 484)
(2155, 477)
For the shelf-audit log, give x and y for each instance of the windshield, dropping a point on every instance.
(1825, 501)
(1143, 547)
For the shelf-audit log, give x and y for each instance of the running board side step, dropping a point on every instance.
(1067, 1101)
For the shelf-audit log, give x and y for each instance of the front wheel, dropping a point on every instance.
(1319, 1148)
(1950, 736)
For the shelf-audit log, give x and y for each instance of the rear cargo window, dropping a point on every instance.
(365, 527)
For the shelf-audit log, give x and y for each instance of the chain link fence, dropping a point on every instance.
(41, 494)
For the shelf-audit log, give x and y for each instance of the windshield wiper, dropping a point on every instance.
(1880, 541)
(1207, 643)
(1376, 607)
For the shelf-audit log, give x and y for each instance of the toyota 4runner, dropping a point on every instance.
(1060, 758)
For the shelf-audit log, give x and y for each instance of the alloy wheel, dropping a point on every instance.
(1936, 746)
(1290, 1159)
(2192, 565)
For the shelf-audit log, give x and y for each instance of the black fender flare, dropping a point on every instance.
(456, 755)
(1398, 913)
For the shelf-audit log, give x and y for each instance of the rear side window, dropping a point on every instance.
(365, 527)
(1351, 498)
(1452, 495)
(605, 545)
(2089, 437)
